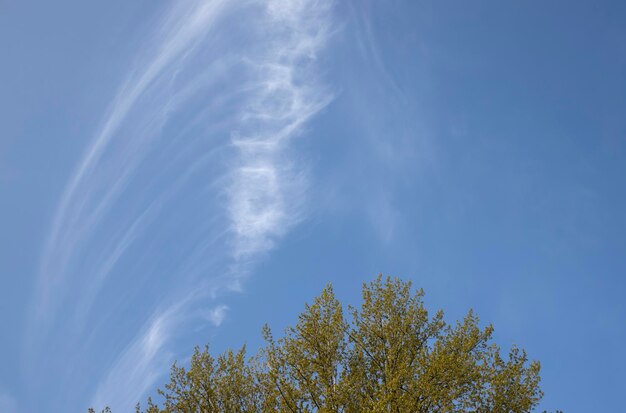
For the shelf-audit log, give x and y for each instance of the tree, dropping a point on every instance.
(105, 410)
(391, 356)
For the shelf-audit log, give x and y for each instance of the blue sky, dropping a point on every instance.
(176, 173)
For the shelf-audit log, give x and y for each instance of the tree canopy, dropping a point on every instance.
(389, 355)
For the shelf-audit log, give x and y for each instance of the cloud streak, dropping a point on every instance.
(265, 191)
(194, 158)
(139, 365)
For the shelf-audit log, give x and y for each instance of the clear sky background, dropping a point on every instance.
(180, 173)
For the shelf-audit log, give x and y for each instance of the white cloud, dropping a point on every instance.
(266, 191)
(89, 194)
(264, 187)
(217, 315)
(194, 159)
(140, 365)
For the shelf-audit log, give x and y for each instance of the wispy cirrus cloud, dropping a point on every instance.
(266, 187)
(140, 364)
(217, 314)
(191, 173)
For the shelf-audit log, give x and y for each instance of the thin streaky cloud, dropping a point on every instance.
(194, 156)
(139, 366)
(66, 232)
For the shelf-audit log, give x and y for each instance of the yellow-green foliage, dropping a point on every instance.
(389, 355)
